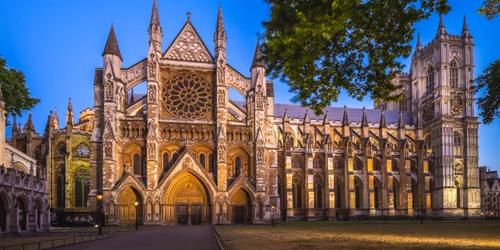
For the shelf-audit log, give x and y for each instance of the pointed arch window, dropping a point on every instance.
(403, 104)
(237, 166)
(376, 198)
(457, 144)
(338, 196)
(211, 163)
(61, 181)
(454, 74)
(202, 160)
(137, 164)
(395, 194)
(297, 193)
(357, 189)
(82, 187)
(430, 80)
(166, 162)
(318, 194)
(175, 156)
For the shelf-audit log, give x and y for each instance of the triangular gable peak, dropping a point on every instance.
(188, 46)
(188, 162)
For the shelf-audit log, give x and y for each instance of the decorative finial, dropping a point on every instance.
(188, 16)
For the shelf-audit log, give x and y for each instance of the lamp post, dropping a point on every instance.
(136, 204)
(272, 215)
(99, 209)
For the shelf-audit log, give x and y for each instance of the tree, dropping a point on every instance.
(319, 47)
(489, 83)
(15, 93)
(490, 9)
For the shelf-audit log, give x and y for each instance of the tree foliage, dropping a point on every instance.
(15, 93)
(490, 9)
(488, 87)
(319, 47)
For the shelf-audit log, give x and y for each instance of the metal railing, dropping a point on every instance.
(55, 242)
(222, 243)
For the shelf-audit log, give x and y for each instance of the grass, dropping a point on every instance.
(364, 235)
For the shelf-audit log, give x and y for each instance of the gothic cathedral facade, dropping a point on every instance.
(185, 153)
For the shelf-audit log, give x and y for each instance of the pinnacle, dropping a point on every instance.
(112, 44)
(257, 57)
(419, 42)
(155, 18)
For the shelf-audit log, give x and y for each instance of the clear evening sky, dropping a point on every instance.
(57, 44)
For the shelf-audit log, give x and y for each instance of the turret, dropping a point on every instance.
(220, 37)
(346, 132)
(382, 126)
(56, 119)
(155, 31)
(401, 127)
(364, 125)
(69, 114)
(419, 43)
(307, 122)
(465, 29)
(49, 127)
(111, 53)
(441, 27)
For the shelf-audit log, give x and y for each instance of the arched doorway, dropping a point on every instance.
(3, 214)
(23, 214)
(128, 212)
(241, 207)
(187, 201)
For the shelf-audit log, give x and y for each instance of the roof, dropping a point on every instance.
(336, 113)
(112, 44)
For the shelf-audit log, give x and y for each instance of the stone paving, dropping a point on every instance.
(166, 237)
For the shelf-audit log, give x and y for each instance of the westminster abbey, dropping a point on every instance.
(185, 153)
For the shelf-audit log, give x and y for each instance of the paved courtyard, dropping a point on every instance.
(168, 237)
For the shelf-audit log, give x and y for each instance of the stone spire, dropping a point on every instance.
(28, 126)
(306, 117)
(155, 31)
(220, 31)
(220, 37)
(382, 124)
(326, 120)
(441, 28)
(56, 119)
(364, 121)
(50, 124)
(69, 114)
(345, 119)
(14, 126)
(285, 116)
(112, 45)
(465, 27)
(257, 62)
(419, 43)
(401, 122)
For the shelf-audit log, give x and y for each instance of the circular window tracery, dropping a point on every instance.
(187, 95)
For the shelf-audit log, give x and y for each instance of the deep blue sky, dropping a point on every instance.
(57, 44)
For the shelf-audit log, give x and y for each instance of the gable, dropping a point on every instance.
(188, 46)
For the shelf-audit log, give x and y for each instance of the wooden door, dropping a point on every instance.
(182, 214)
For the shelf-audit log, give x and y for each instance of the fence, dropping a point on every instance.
(54, 242)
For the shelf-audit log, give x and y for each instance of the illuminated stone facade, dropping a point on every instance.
(62, 155)
(187, 154)
(490, 193)
(23, 205)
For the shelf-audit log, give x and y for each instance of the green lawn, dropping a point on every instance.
(363, 235)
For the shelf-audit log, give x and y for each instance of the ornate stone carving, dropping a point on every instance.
(428, 113)
(456, 105)
(188, 47)
(221, 97)
(259, 96)
(187, 95)
(260, 150)
(152, 93)
(152, 66)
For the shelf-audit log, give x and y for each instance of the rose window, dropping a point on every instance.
(187, 96)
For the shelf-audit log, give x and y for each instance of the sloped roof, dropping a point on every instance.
(337, 113)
